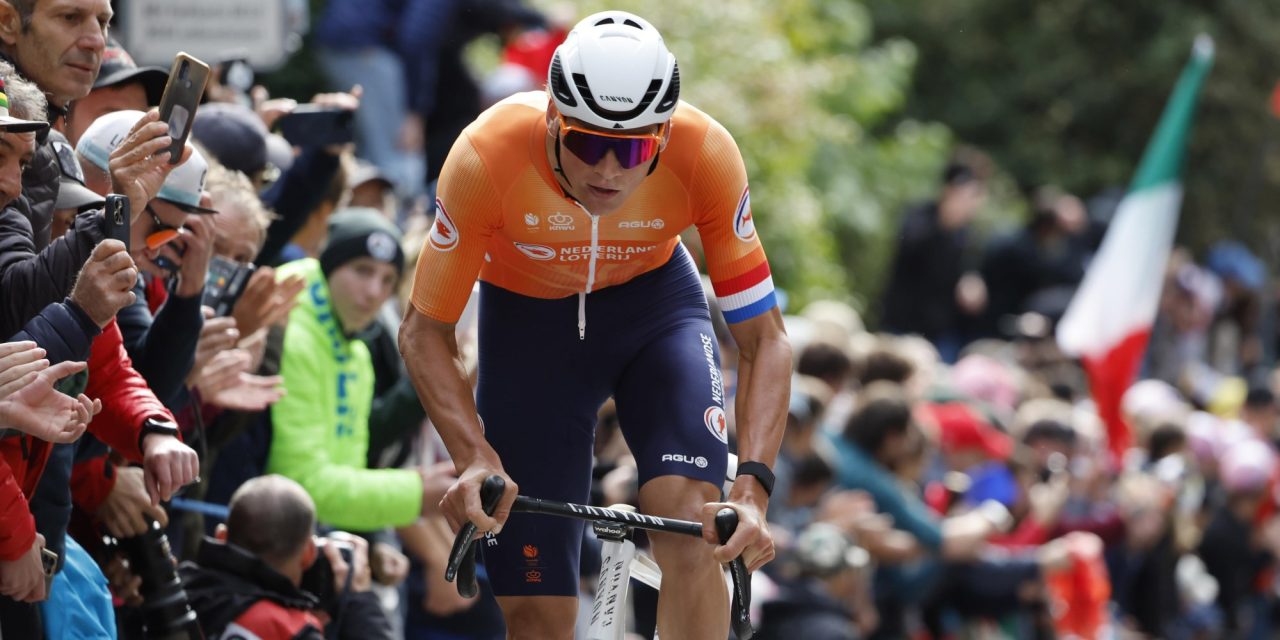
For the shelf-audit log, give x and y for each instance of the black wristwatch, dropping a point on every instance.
(157, 425)
(761, 472)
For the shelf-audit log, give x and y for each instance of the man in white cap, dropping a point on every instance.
(172, 238)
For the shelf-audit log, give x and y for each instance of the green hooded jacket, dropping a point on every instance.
(320, 429)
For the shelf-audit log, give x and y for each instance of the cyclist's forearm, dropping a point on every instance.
(764, 390)
(430, 351)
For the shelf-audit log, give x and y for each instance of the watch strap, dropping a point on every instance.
(760, 471)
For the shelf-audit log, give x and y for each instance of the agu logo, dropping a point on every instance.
(536, 251)
(717, 423)
(743, 226)
(444, 234)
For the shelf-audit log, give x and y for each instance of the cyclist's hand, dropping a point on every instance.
(751, 540)
(461, 503)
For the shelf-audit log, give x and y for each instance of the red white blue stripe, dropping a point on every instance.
(748, 295)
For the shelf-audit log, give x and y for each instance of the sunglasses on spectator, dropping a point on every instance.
(161, 233)
(591, 146)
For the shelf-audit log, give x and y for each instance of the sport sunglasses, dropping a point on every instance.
(630, 149)
(161, 233)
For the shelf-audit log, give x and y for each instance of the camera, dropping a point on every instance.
(225, 283)
(166, 612)
(318, 579)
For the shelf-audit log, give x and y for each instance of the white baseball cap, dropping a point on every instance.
(183, 186)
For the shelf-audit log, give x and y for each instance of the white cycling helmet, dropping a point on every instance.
(614, 72)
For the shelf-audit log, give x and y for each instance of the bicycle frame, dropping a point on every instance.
(614, 576)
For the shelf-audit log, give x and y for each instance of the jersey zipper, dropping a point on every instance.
(591, 274)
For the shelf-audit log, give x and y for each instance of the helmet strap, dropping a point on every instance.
(559, 167)
(653, 166)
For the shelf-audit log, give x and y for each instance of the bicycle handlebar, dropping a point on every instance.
(462, 558)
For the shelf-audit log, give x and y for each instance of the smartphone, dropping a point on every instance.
(225, 283)
(311, 126)
(49, 562)
(118, 217)
(187, 79)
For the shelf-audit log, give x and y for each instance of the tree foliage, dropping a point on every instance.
(1069, 91)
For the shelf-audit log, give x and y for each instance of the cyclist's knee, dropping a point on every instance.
(538, 617)
(676, 497)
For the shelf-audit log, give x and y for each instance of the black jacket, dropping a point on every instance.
(163, 346)
(33, 271)
(226, 580)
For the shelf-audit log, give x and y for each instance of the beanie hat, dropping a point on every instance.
(359, 232)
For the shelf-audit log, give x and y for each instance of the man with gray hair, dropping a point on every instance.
(248, 581)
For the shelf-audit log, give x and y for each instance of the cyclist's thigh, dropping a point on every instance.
(539, 411)
(670, 400)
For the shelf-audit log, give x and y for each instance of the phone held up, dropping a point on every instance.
(309, 125)
(118, 216)
(225, 283)
(187, 79)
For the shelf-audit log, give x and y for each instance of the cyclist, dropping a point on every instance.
(568, 207)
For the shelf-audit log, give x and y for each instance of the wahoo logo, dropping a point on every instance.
(617, 99)
(717, 423)
(536, 251)
(743, 226)
(699, 462)
(444, 234)
(642, 224)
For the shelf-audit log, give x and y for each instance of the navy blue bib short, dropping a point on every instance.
(648, 344)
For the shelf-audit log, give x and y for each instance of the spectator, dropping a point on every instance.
(160, 330)
(820, 602)
(320, 430)
(121, 86)
(1048, 253)
(931, 291)
(248, 581)
(354, 46)
(35, 37)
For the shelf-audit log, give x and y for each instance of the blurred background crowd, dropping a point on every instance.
(932, 184)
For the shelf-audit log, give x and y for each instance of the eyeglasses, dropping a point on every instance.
(630, 149)
(161, 233)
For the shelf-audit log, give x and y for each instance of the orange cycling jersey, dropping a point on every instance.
(502, 215)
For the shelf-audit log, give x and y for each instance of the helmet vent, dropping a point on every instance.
(669, 98)
(632, 23)
(605, 21)
(559, 87)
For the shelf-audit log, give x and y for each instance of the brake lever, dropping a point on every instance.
(740, 615)
(462, 557)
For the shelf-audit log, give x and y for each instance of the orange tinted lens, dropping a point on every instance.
(160, 238)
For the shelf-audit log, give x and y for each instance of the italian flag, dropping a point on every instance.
(1108, 322)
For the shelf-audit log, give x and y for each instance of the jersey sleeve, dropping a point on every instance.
(468, 211)
(735, 258)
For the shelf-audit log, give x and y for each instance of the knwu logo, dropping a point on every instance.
(560, 221)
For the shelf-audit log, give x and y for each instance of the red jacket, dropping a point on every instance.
(127, 402)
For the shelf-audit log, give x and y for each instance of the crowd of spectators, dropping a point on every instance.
(946, 476)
